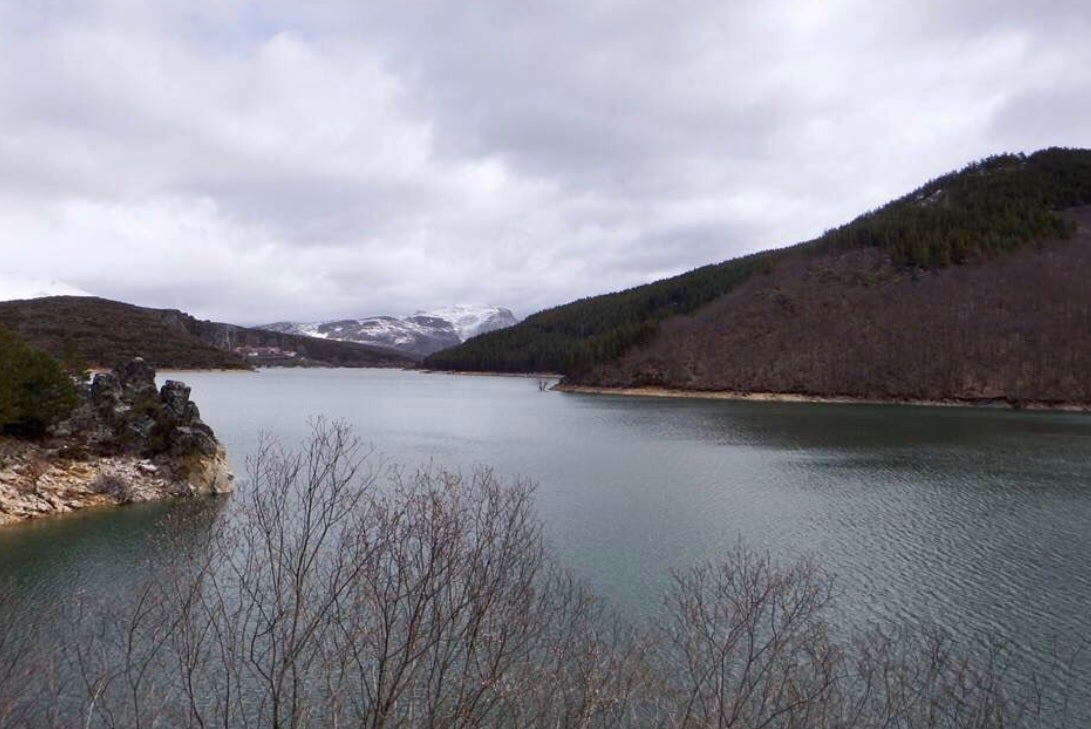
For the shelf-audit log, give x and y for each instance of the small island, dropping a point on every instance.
(69, 444)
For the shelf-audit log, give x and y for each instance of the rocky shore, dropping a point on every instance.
(126, 442)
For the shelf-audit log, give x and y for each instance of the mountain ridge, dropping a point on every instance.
(422, 333)
(100, 332)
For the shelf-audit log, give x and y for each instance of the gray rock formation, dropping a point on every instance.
(126, 442)
(126, 415)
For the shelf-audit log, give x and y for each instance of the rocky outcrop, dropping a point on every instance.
(127, 441)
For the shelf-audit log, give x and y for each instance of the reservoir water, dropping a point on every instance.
(978, 521)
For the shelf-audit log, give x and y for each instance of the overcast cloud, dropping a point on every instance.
(256, 161)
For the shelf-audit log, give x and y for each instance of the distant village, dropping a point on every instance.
(255, 352)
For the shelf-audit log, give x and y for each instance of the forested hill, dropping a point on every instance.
(963, 220)
(90, 331)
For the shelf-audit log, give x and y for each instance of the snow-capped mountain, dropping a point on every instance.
(422, 333)
(12, 288)
(469, 320)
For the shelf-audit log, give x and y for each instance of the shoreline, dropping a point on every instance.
(786, 397)
(482, 373)
(37, 481)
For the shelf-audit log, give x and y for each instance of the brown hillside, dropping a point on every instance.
(101, 333)
(853, 324)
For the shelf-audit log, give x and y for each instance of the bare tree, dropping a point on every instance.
(29, 681)
(333, 592)
(746, 645)
(330, 597)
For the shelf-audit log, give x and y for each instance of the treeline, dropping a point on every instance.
(575, 336)
(990, 207)
(856, 325)
(993, 206)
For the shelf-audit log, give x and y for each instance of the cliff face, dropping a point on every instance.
(126, 442)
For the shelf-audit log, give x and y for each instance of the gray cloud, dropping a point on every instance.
(259, 161)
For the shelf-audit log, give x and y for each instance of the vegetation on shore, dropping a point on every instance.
(35, 391)
(852, 325)
(66, 444)
(993, 207)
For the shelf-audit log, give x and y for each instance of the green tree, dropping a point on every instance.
(35, 392)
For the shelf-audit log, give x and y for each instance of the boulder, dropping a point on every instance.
(137, 378)
(206, 474)
(174, 396)
(105, 391)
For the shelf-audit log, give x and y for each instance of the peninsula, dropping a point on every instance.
(122, 441)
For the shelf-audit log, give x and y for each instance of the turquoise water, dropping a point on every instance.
(976, 520)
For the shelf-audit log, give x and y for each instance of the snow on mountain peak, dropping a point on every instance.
(422, 333)
(469, 320)
(12, 288)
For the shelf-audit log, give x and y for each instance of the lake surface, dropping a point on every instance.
(976, 520)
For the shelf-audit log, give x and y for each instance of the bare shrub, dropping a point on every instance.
(338, 594)
(34, 468)
(746, 644)
(28, 679)
(331, 596)
(923, 679)
(113, 486)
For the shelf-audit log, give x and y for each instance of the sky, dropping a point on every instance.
(261, 161)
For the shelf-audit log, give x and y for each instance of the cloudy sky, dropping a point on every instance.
(265, 160)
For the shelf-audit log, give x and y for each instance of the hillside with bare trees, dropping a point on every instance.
(854, 324)
(969, 288)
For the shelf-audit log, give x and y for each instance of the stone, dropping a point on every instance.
(186, 440)
(140, 428)
(210, 475)
(136, 376)
(175, 398)
(192, 415)
(105, 390)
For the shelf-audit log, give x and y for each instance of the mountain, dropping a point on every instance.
(12, 288)
(101, 333)
(471, 320)
(420, 334)
(972, 287)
